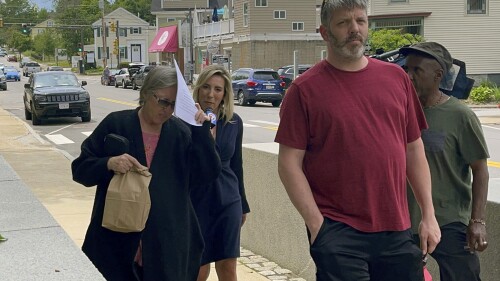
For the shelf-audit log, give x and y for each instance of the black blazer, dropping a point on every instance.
(171, 242)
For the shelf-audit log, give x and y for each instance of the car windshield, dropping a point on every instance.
(10, 68)
(56, 80)
(266, 75)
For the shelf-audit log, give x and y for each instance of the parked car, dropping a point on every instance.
(23, 61)
(111, 78)
(3, 53)
(55, 68)
(12, 58)
(140, 75)
(2, 66)
(286, 72)
(3, 82)
(55, 94)
(253, 85)
(12, 73)
(123, 77)
(31, 67)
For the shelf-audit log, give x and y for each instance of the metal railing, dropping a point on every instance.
(205, 30)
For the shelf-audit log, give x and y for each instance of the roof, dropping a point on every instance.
(119, 14)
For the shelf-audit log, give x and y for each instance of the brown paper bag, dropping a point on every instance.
(127, 201)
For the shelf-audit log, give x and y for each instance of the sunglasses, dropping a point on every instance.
(165, 103)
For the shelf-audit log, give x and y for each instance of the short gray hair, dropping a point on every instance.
(331, 5)
(159, 77)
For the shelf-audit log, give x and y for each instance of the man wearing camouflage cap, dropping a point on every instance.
(454, 146)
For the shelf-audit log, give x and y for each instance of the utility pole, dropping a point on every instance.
(104, 45)
(118, 40)
(191, 47)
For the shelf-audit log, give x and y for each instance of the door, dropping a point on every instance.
(135, 53)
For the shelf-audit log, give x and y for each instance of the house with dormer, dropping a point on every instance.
(125, 38)
(42, 27)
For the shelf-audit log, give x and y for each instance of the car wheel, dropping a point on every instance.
(34, 118)
(241, 98)
(252, 102)
(87, 117)
(134, 86)
(124, 86)
(276, 103)
(27, 113)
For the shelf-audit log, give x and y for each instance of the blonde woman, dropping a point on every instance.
(221, 206)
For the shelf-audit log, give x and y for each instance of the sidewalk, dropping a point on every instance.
(34, 172)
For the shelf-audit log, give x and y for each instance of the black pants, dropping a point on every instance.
(456, 263)
(342, 253)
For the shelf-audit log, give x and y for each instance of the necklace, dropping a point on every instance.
(438, 101)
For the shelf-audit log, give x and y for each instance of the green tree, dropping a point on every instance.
(391, 39)
(75, 17)
(137, 7)
(14, 14)
(17, 40)
(45, 43)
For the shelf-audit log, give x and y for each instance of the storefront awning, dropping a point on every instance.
(166, 40)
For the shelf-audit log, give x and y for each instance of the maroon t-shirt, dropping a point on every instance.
(354, 127)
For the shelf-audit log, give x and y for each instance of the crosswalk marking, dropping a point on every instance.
(87, 133)
(59, 139)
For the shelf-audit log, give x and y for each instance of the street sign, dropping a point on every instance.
(213, 47)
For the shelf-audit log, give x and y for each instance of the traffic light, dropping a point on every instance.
(115, 46)
(113, 26)
(80, 47)
(25, 28)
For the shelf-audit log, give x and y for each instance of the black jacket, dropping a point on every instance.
(171, 242)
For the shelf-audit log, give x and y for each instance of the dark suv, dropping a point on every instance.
(53, 94)
(140, 75)
(286, 72)
(253, 85)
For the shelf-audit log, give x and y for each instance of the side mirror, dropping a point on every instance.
(84, 83)
(27, 85)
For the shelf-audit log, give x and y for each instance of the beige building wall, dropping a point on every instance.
(183, 4)
(468, 37)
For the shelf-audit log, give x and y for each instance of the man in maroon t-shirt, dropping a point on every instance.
(349, 138)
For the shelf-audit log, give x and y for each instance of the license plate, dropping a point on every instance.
(63, 105)
(269, 87)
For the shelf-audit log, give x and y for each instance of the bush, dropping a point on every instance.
(496, 94)
(482, 94)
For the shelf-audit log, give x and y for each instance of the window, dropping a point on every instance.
(135, 30)
(245, 14)
(279, 14)
(407, 25)
(123, 52)
(398, 1)
(99, 53)
(260, 3)
(297, 26)
(476, 7)
(122, 32)
(171, 19)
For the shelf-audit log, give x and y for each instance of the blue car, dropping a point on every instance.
(253, 85)
(12, 74)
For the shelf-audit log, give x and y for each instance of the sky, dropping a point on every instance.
(47, 4)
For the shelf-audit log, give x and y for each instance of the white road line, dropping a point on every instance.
(490, 127)
(264, 122)
(250, 125)
(87, 133)
(59, 139)
(61, 128)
